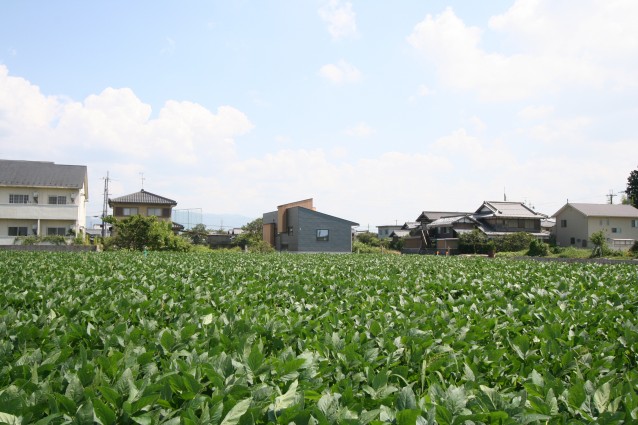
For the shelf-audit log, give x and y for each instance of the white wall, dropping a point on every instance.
(70, 215)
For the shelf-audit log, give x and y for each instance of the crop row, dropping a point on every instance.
(242, 339)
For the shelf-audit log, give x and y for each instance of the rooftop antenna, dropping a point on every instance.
(105, 205)
(142, 178)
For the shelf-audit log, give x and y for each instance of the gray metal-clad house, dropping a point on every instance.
(298, 227)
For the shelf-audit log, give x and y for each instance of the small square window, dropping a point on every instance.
(57, 200)
(18, 199)
(56, 231)
(17, 231)
(322, 234)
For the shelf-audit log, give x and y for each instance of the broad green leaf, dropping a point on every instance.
(576, 395)
(601, 397)
(234, 415)
(288, 399)
(405, 399)
(537, 379)
(74, 390)
(48, 419)
(85, 415)
(408, 417)
(103, 412)
(10, 419)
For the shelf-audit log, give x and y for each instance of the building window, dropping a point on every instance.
(56, 231)
(322, 234)
(563, 223)
(572, 241)
(615, 230)
(157, 212)
(17, 231)
(634, 223)
(18, 199)
(57, 200)
(129, 211)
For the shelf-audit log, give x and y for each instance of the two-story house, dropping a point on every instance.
(298, 227)
(41, 198)
(575, 223)
(142, 203)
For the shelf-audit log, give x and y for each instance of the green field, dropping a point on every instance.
(235, 338)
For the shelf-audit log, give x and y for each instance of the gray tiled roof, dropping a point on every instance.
(41, 174)
(604, 210)
(435, 215)
(143, 197)
(508, 209)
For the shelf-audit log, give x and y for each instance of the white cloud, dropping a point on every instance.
(361, 130)
(536, 112)
(169, 46)
(553, 47)
(340, 73)
(340, 18)
(187, 152)
(478, 124)
(114, 122)
(424, 90)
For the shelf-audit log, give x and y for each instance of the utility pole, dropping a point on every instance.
(105, 205)
(611, 196)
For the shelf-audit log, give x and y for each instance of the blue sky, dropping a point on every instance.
(376, 110)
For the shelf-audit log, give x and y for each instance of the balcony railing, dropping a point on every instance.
(39, 211)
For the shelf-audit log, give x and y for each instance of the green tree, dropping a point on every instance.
(252, 236)
(198, 234)
(632, 188)
(139, 233)
(473, 242)
(600, 243)
(537, 248)
(369, 238)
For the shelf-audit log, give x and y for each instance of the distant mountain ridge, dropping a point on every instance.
(211, 221)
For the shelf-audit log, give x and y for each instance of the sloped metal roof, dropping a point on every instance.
(603, 210)
(41, 174)
(332, 217)
(143, 197)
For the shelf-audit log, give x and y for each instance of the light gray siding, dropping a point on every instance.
(571, 228)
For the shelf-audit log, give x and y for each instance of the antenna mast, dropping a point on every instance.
(105, 205)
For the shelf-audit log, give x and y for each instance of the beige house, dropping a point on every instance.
(575, 224)
(142, 203)
(41, 198)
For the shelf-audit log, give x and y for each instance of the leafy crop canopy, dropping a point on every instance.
(240, 338)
